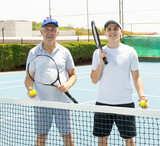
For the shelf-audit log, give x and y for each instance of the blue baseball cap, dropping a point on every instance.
(111, 22)
(50, 21)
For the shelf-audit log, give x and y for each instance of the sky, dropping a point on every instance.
(74, 12)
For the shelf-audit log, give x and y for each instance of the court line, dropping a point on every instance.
(148, 95)
(150, 73)
(11, 81)
(23, 80)
(140, 72)
(12, 72)
(11, 87)
(83, 89)
(19, 116)
(82, 77)
(97, 91)
(88, 102)
(83, 73)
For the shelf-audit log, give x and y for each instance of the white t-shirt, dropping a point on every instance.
(64, 61)
(114, 85)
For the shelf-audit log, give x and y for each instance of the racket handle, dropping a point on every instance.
(69, 95)
(105, 60)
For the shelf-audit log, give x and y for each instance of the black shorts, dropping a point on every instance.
(103, 123)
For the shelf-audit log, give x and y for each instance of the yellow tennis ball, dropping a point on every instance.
(143, 103)
(32, 92)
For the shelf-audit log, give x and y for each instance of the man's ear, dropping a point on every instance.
(121, 36)
(121, 31)
(57, 33)
(104, 32)
(41, 31)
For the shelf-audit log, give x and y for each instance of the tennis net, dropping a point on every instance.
(18, 118)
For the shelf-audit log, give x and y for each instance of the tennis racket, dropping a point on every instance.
(97, 40)
(43, 69)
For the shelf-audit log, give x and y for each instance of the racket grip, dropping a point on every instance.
(69, 95)
(105, 60)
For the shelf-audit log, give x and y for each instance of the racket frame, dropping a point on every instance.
(97, 39)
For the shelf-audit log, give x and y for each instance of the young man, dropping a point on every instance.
(66, 66)
(114, 86)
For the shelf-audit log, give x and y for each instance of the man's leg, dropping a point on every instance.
(127, 126)
(130, 142)
(63, 120)
(68, 140)
(43, 121)
(102, 126)
(103, 141)
(41, 140)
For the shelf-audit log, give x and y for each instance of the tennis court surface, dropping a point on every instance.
(17, 111)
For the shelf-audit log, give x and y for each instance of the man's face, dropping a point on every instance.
(113, 32)
(49, 32)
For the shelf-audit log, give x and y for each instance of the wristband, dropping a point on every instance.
(141, 97)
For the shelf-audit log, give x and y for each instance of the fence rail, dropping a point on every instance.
(36, 40)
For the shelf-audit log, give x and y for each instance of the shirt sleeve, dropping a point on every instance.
(69, 61)
(30, 56)
(134, 61)
(95, 59)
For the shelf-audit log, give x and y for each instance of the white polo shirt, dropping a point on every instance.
(114, 85)
(64, 62)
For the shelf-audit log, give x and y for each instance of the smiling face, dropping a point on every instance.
(49, 33)
(113, 32)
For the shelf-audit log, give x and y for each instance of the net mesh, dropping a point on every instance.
(18, 118)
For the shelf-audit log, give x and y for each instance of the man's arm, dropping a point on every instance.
(29, 85)
(72, 79)
(96, 74)
(139, 86)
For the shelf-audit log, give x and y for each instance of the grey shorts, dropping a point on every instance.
(43, 119)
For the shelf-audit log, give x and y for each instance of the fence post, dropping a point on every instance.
(21, 40)
(3, 34)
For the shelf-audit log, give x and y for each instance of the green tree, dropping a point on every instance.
(36, 26)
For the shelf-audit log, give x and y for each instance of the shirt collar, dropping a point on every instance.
(56, 49)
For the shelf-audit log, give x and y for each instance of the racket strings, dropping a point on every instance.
(43, 70)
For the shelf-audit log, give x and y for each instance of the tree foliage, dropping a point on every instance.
(36, 26)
